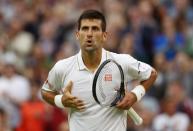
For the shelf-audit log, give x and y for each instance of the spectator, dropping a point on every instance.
(4, 123)
(170, 119)
(33, 112)
(14, 90)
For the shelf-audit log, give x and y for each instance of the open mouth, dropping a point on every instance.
(89, 41)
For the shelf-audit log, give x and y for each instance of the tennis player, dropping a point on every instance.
(69, 83)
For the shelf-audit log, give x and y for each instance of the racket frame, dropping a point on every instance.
(120, 92)
(131, 112)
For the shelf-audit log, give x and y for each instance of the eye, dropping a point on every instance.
(95, 28)
(84, 28)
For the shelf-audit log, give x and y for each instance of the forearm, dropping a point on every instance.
(48, 96)
(140, 90)
(61, 101)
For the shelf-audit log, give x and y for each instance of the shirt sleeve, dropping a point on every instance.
(137, 69)
(54, 81)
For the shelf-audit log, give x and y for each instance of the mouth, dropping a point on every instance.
(89, 41)
(89, 44)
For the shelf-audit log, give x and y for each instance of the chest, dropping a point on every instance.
(82, 83)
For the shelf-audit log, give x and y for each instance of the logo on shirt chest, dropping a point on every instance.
(108, 77)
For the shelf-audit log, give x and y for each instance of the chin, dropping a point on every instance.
(89, 49)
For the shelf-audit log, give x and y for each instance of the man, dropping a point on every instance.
(170, 119)
(69, 82)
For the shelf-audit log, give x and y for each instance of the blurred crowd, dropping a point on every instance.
(34, 34)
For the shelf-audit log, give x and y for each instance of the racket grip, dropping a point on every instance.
(134, 116)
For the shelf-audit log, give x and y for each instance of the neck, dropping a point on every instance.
(92, 59)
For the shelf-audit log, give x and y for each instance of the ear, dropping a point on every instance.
(105, 36)
(77, 35)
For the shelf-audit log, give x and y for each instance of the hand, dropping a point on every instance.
(71, 101)
(128, 100)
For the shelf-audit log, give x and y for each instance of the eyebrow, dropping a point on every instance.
(85, 27)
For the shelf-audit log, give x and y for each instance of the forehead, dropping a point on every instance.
(90, 22)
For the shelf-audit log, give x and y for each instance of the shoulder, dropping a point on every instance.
(21, 79)
(64, 64)
(66, 61)
(181, 115)
(121, 58)
(161, 118)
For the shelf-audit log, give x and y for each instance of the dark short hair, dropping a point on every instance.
(92, 14)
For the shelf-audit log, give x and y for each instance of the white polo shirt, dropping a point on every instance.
(95, 117)
(178, 122)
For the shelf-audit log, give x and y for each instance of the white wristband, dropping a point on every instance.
(58, 101)
(139, 91)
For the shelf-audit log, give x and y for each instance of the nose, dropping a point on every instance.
(90, 33)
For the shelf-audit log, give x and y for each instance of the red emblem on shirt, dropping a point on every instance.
(108, 77)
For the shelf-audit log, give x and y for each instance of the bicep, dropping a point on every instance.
(144, 70)
(54, 80)
(52, 85)
(137, 69)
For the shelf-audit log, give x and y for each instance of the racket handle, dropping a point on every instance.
(134, 116)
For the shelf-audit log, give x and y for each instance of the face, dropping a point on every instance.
(90, 36)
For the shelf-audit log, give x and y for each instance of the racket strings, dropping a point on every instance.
(100, 86)
(108, 83)
(101, 78)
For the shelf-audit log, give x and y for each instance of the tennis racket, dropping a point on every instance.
(109, 87)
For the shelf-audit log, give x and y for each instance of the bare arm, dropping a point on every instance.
(48, 96)
(149, 82)
(130, 98)
(67, 99)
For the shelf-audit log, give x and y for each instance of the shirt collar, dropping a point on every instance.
(81, 64)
